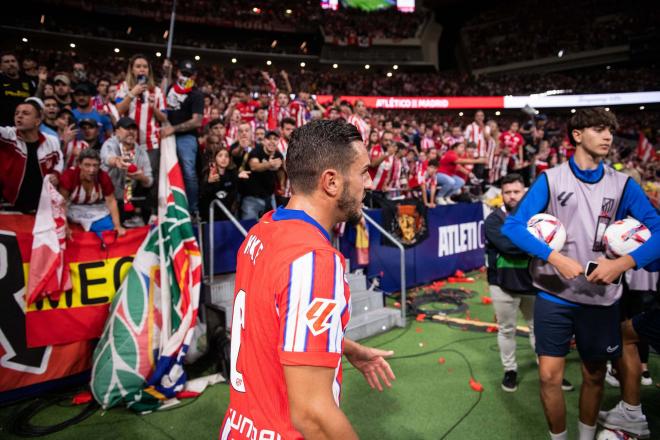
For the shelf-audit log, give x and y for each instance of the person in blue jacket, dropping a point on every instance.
(586, 196)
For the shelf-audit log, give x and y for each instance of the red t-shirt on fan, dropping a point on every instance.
(448, 163)
(71, 182)
(247, 110)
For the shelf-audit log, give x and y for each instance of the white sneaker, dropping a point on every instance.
(134, 222)
(618, 418)
(610, 378)
(440, 201)
(646, 378)
(449, 201)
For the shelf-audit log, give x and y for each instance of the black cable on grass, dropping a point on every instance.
(22, 427)
(450, 296)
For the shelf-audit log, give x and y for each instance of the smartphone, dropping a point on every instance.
(592, 265)
(142, 79)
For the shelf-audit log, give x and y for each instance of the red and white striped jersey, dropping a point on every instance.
(254, 124)
(103, 187)
(71, 152)
(385, 175)
(449, 140)
(427, 143)
(282, 146)
(362, 126)
(291, 308)
(298, 111)
(143, 114)
(232, 133)
(475, 133)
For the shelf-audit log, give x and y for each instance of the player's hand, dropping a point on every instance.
(567, 267)
(372, 364)
(609, 270)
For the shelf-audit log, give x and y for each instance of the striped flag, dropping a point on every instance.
(645, 149)
(139, 358)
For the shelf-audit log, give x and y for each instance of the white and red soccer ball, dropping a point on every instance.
(624, 236)
(614, 434)
(548, 229)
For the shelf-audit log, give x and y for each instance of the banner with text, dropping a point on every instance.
(456, 241)
(50, 339)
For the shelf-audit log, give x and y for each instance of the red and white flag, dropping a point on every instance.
(49, 276)
(645, 149)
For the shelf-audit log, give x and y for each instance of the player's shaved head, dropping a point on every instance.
(316, 147)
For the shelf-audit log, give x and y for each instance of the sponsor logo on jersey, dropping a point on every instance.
(318, 314)
(563, 197)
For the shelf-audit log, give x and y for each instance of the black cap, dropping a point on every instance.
(88, 121)
(187, 66)
(270, 133)
(126, 122)
(83, 89)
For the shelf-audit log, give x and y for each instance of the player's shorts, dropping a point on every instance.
(597, 330)
(647, 326)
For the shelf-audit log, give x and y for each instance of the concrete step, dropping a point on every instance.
(372, 323)
(365, 300)
(222, 289)
(356, 281)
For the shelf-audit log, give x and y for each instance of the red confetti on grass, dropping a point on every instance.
(486, 300)
(491, 329)
(460, 280)
(397, 305)
(482, 269)
(441, 360)
(419, 330)
(459, 274)
(82, 398)
(476, 386)
(421, 317)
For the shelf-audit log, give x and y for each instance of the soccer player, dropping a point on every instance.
(585, 196)
(292, 303)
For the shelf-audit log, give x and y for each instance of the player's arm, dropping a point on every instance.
(515, 228)
(634, 203)
(371, 363)
(314, 412)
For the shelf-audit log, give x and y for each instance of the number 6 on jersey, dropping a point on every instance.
(237, 325)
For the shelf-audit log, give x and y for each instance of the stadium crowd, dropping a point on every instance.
(95, 126)
(498, 37)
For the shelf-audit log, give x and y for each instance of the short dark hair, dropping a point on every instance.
(287, 121)
(34, 105)
(103, 78)
(512, 178)
(89, 153)
(215, 122)
(434, 163)
(317, 146)
(456, 144)
(50, 98)
(590, 117)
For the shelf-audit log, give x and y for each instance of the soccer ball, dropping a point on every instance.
(608, 434)
(624, 236)
(548, 228)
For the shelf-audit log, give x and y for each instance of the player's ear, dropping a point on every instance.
(577, 135)
(331, 182)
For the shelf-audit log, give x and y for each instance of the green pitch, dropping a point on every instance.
(370, 5)
(431, 398)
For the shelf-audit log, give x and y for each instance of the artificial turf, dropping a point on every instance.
(431, 398)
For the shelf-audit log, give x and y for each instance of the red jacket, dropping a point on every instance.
(13, 160)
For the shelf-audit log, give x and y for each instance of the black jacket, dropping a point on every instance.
(225, 190)
(507, 264)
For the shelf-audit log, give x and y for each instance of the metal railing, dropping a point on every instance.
(402, 251)
(232, 219)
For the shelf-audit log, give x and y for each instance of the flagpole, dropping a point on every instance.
(170, 39)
